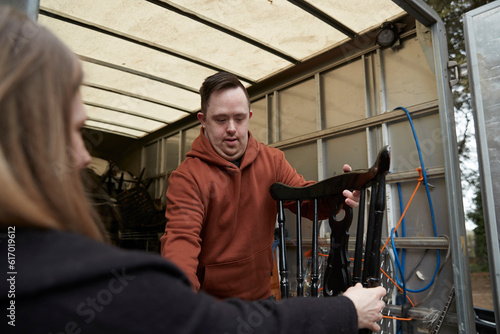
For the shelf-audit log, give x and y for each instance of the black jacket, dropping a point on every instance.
(66, 283)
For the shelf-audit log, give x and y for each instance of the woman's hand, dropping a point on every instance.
(369, 305)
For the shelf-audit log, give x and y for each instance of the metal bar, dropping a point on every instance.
(276, 117)
(284, 284)
(300, 265)
(422, 242)
(137, 41)
(358, 254)
(400, 242)
(135, 96)
(324, 17)
(412, 175)
(138, 73)
(457, 233)
(123, 111)
(121, 133)
(419, 10)
(227, 30)
(315, 264)
(360, 125)
(369, 233)
(118, 124)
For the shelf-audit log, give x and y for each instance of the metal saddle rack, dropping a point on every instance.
(328, 193)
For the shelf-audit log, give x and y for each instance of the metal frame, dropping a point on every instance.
(487, 162)
(458, 239)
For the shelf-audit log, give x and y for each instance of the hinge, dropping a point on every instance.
(456, 71)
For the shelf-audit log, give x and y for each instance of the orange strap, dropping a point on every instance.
(420, 179)
(309, 252)
(396, 318)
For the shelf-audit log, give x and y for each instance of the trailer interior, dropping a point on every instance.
(330, 82)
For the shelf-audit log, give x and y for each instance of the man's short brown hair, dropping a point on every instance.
(217, 82)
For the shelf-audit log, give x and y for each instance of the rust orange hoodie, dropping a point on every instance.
(221, 218)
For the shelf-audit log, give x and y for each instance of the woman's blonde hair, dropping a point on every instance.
(39, 179)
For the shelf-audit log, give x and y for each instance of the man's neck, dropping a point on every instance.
(237, 162)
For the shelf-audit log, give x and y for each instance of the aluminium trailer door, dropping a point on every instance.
(482, 31)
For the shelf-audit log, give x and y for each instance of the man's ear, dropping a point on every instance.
(201, 118)
(250, 114)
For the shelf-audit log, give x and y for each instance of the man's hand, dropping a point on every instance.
(368, 305)
(351, 198)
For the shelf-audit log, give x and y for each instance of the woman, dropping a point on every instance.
(62, 277)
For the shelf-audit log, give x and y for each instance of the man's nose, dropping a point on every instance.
(231, 126)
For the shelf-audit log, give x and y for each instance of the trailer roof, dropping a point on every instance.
(144, 60)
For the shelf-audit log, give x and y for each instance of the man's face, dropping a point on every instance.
(226, 122)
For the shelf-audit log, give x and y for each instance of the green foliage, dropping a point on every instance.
(451, 12)
(480, 246)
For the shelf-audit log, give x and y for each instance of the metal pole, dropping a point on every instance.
(300, 265)
(315, 260)
(285, 285)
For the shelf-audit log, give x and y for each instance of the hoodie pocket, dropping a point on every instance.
(248, 278)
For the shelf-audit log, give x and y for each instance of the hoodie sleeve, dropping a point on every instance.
(181, 242)
(177, 310)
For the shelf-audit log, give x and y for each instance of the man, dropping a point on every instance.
(220, 214)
